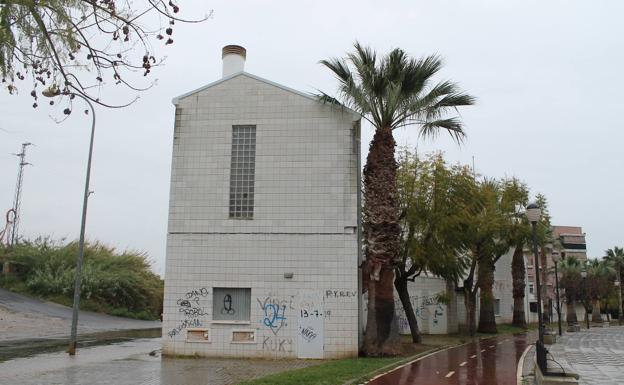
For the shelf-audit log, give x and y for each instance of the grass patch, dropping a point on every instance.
(329, 373)
(358, 370)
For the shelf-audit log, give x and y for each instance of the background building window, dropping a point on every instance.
(497, 306)
(533, 307)
(231, 304)
(242, 171)
(530, 288)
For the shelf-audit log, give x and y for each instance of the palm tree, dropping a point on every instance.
(391, 92)
(570, 282)
(515, 199)
(600, 274)
(615, 256)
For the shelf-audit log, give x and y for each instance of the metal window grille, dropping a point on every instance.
(231, 304)
(242, 171)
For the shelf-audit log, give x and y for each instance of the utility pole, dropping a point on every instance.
(17, 199)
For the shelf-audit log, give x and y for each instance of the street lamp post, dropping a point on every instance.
(556, 259)
(533, 213)
(618, 284)
(71, 349)
(584, 276)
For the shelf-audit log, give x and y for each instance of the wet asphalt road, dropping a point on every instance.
(491, 361)
(40, 319)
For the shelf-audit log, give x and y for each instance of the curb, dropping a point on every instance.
(520, 368)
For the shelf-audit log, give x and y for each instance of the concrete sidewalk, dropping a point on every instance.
(597, 355)
(136, 362)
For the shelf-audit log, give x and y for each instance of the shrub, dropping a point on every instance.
(119, 282)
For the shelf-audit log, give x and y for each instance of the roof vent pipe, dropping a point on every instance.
(233, 59)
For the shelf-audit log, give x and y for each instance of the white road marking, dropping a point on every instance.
(463, 363)
(450, 374)
(500, 342)
(491, 346)
(482, 350)
(473, 356)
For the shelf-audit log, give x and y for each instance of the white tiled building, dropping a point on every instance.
(436, 316)
(262, 242)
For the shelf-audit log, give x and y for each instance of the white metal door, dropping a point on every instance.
(310, 326)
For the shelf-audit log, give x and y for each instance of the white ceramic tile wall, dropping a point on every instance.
(305, 205)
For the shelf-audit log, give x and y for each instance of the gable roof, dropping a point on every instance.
(226, 78)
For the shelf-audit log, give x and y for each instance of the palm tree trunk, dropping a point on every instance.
(596, 317)
(382, 233)
(485, 281)
(518, 277)
(571, 312)
(400, 283)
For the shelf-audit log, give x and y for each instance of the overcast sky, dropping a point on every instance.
(547, 75)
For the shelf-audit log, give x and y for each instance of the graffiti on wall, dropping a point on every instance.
(227, 305)
(340, 293)
(186, 323)
(277, 344)
(426, 308)
(274, 311)
(191, 307)
(308, 333)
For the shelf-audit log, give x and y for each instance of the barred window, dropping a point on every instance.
(242, 171)
(231, 304)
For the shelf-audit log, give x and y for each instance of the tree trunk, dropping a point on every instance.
(571, 312)
(596, 317)
(382, 233)
(470, 300)
(401, 286)
(518, 277)
(485, 281)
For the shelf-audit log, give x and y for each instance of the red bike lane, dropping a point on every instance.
(490, 361)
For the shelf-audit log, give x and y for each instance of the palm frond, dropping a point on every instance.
(396, 91)
(453, 126)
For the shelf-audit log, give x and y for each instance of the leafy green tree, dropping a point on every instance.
(78, 46)
(481, 235)
(495, 226)
(429, 217)
(390, 92)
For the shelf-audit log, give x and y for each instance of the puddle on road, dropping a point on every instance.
(26, 348)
